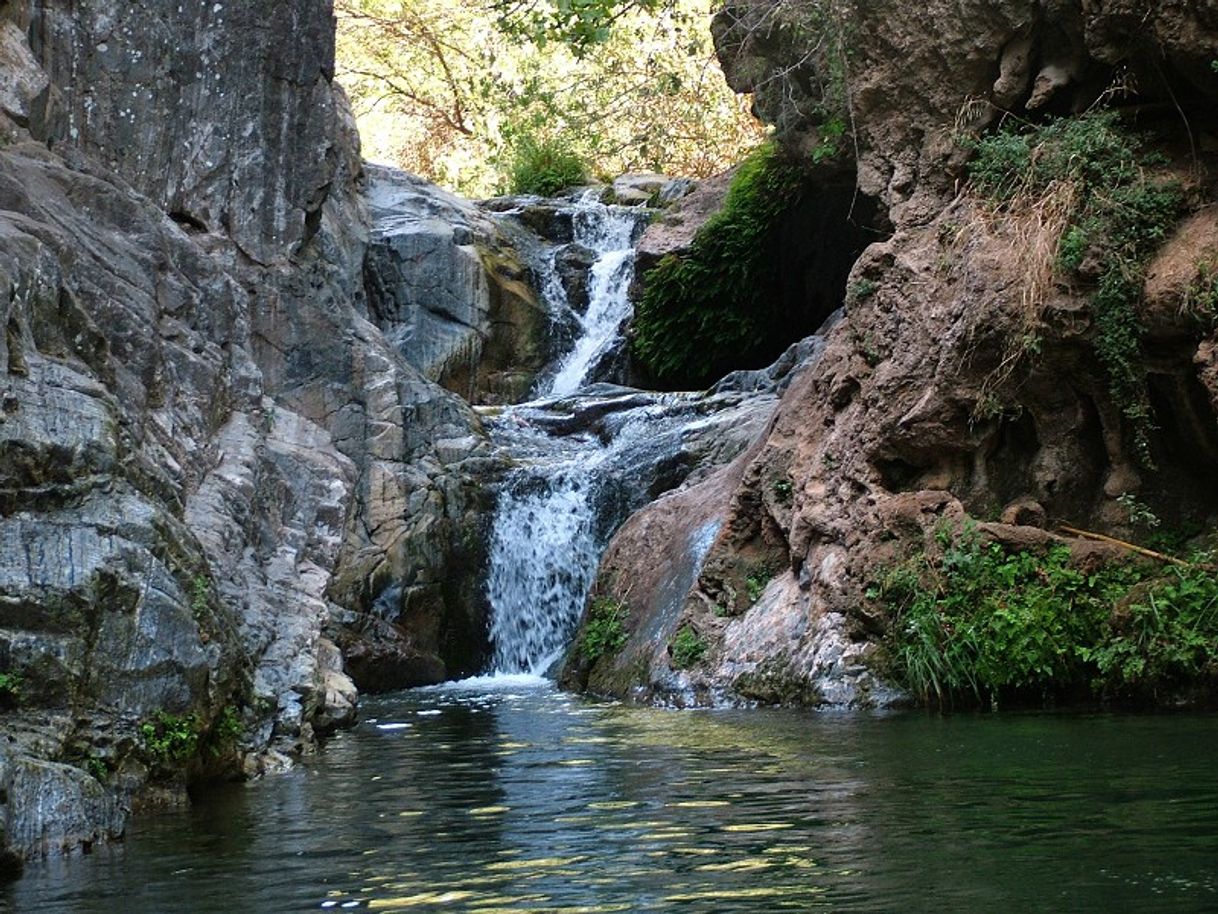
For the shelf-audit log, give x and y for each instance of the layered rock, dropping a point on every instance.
(926, 407)
(213, 463)
(447, 287)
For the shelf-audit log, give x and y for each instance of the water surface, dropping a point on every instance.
(522, 799)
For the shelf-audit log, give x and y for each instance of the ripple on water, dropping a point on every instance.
(477, 807)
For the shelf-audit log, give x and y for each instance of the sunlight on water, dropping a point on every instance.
(506, 795)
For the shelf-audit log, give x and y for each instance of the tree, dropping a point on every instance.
(445, 88)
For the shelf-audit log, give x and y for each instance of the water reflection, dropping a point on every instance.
(526, 800)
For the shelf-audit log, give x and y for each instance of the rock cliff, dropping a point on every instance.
(925, 406)
(215, 463)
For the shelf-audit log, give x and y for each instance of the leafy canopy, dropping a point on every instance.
(448, 89)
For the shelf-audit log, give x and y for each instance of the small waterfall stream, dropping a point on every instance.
(548, 530)
(610, 233)
(586, 453)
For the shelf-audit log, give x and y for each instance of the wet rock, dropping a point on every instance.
(573, 264)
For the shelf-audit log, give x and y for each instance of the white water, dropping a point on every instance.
(543, 556)
(545, 543)
(608, 231)
(585, 458)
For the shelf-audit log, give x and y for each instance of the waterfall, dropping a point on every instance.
(585, 455)
(609, 232)
(543, 557)
(549, 528)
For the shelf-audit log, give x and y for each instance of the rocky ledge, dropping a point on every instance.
(924, 408)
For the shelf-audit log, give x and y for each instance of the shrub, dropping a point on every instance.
(225, 731)
(718, 306)
(544, 167)
(1118, 219)
(686, 648)
(604, 631)
(170, 739)
(1166, 637)
(981, 622)
(10, 690)
(756, 581)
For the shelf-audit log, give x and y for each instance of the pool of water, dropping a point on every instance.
(516, 798)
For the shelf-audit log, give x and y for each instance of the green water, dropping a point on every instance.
(536, 801)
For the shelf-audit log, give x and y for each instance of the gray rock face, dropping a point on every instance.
(221, 113)
(215, 469)
(447, 289)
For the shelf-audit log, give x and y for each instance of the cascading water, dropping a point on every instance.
(543, 556)
(587, 454)
(547, 536)
(609, 232)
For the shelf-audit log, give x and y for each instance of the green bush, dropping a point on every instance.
(686, 648)
(10, 690)
(225, 731)
(200, 596)
(756, 581)
(544, 167)
(718, 306)
(604, 631)
(170, 739)
(1119, 218)
(1167, 636)
(978, 622)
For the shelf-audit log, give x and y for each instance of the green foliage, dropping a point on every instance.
(832, 133)
(97, 768)
(1140, 514)
(1167, 636)
(442, 88)
(860, 290)
(605, 629)
(717, 307)
(579, 24)
(1120, 216)
(756, 581)
(784, 491)
(225, 731)
(978, 621)
(200, 596)
(686, 648)
(10, 689)
(544, 167)
(170, 739)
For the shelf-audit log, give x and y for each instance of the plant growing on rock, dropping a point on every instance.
(170, 740)
(1109, 216)
(10, 690)
(605, 630)
(716, 307)
(1165, 635)
(687, 648)
(225, 732)
(97, 768)
(976, 621)
(784, 491)
(756, 581)
(200, 596)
